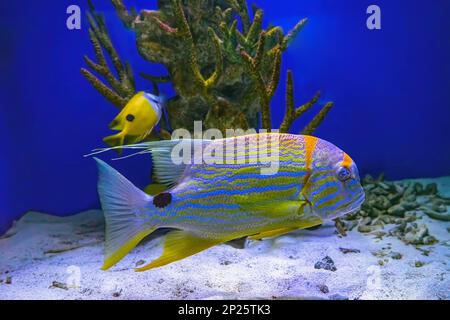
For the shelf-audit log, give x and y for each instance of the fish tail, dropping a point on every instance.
(122, 204)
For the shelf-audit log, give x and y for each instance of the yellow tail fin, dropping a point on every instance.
(122, 205)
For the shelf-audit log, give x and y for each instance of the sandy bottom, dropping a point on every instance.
(45, 257)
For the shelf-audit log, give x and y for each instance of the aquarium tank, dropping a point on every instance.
(225, 150)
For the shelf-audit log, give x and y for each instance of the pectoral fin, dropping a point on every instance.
(307, 222)
(277, 209)
(179, 245)
(115, 140)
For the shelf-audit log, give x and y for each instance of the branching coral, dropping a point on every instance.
(266, 90)
(293, 113)
(223, 74)
(122, 87)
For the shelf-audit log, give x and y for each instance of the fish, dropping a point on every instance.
(207, 203)
(136, 120)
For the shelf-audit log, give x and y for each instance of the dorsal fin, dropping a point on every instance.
(165, 171)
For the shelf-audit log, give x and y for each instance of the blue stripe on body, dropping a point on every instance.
(229, 192)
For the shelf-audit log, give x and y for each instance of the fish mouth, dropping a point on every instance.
(350, 208)
(353, 206)
(114, 125)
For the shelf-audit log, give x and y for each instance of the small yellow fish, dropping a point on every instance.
(136, 120)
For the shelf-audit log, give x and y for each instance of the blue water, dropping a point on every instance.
(391, 89)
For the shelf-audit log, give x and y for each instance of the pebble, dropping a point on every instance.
(399, 189)
(59, 285)
(429, 240)
(117, 293)
(411, 198)
(376, 212)
(379, 234)
(347, 250)
(439, 207)
(396, 255)
(365, 229)
(436, 215)
(431, 189)
(419, 264)
(394, 197)
(323, 288)
(365, 221)
(326, 263)
(418, 188)
(410, 205)
(387, 219)
(397, 211)
(412, 238)
(140, 263)
(380, 192)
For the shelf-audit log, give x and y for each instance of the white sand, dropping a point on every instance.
(280, 268)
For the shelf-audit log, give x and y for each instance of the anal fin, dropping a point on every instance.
(179, 245)
(276, 209)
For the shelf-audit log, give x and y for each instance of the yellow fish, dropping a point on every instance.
(136, 120)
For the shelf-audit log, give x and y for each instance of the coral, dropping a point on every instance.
(294, 113)
(224, 66)
(122, 87)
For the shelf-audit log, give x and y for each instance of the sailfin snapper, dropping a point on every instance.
(212, 203)
(136, 120)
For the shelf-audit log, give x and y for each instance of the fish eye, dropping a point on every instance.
(344, 174)
(130, 117)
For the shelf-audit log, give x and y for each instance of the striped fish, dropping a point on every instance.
(266, 185)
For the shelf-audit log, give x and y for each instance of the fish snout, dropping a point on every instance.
(114, 124)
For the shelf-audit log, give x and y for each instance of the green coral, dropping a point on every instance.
(120, 89)
(222, 74)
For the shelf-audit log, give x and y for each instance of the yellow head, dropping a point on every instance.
(137, 119)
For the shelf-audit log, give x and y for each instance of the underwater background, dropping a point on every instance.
(390, 88)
